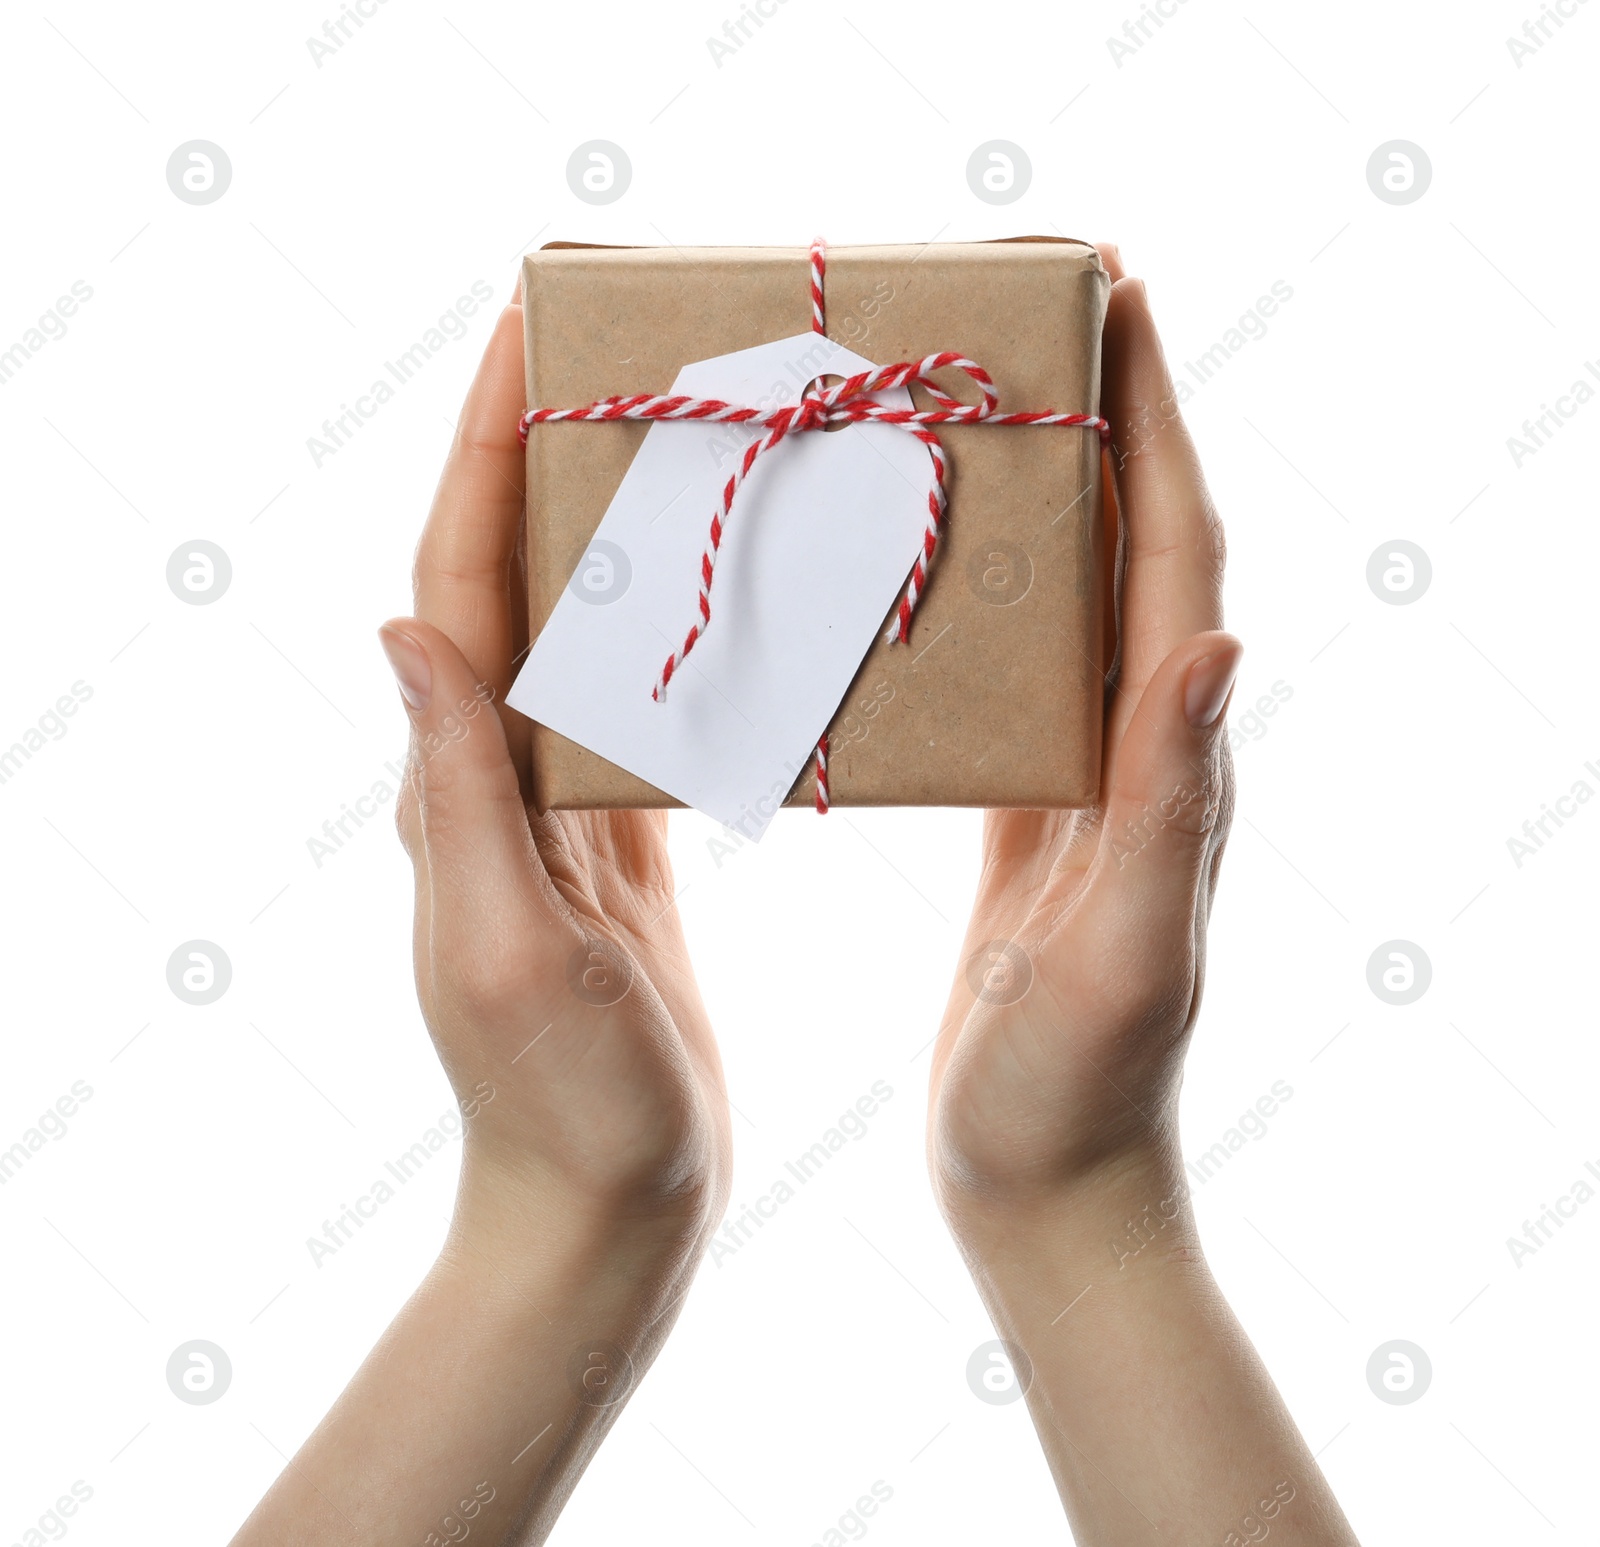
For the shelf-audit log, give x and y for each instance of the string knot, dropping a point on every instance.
(811, 415)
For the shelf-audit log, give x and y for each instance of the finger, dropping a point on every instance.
(1172, 585)
(465, 561)
(1166, 807)
(484, 885)
(1111, 257)
(408, 821)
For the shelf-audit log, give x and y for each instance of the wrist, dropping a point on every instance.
(529, 1222)
(1127, 1219)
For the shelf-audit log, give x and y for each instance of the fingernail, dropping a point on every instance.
(410, 665)
(1210, 682)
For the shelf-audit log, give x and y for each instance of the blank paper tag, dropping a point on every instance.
(822, 536)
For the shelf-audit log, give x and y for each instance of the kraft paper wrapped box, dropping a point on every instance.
(997, 698)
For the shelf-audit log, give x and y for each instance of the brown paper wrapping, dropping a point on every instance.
(997, 698)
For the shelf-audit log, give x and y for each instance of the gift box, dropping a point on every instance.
(996, 698)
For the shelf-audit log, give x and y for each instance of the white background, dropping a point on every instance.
(1227, 153)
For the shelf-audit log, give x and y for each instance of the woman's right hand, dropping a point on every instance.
(550, 960)
(554, 980)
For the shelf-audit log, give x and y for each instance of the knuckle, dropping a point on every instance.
(482, 980)
(445, 562)
(1226, 806)
(1213, 535)
(456, 785)
(1227, 788)
(1147, 992)
(1214, 875)
(408, 813)
(1186, 814)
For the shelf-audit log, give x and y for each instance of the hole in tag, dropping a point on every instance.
(820, 384)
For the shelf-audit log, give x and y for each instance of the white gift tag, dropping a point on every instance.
(822, 535)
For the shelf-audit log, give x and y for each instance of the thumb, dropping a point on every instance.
(465, 804)
(1170, 792)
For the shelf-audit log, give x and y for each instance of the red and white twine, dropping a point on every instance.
(850, 402)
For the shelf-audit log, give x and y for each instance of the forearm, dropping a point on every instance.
(1158, 1419)
(473, 1415)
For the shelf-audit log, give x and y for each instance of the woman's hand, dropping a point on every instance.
(1062, 1048)
(553, 977)
(550, 960)
(1052, 1121)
